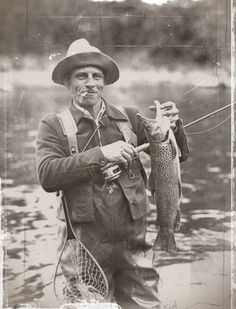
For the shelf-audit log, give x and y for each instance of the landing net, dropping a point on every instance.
(84, 279)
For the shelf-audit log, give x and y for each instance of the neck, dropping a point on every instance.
(93, 110)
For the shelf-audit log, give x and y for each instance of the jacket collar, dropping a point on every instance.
(110, 111)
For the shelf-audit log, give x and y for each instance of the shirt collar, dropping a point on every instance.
(88, 115)
(110, 111)
(114, 113)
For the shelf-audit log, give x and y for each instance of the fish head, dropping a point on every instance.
(149, 124)
(155, 129)
(158, 127)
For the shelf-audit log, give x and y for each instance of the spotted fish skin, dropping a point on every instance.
(165, 179)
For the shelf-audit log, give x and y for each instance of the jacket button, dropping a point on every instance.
(103, 163)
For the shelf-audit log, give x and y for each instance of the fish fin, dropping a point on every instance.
(151, 184)
(173, 148)
(177, 221)
(165, 241)
(180, 189)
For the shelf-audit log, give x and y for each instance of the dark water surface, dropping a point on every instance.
(29, 213)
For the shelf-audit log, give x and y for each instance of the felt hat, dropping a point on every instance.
(81, 53)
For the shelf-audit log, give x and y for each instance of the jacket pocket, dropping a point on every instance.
(80, 203)
(135, 193)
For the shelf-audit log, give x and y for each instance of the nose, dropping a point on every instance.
(90, 81)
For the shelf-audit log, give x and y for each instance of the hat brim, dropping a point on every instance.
(100, 60)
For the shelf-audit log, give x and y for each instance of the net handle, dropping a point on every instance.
(69, 227)
(69, 233)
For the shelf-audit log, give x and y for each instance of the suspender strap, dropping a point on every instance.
(69, 129)
(130, 137)
(125, 127)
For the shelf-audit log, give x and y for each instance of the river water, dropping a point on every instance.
(198, 276)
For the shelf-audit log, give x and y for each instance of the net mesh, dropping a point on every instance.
(84, 279)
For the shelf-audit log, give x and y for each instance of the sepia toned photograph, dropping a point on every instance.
(118, 154)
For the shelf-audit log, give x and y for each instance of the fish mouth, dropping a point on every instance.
(144, 119)
(147, 122)
(152, 127)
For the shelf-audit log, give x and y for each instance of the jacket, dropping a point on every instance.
(77, 175)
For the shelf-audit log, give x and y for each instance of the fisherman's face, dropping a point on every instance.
(86, 85)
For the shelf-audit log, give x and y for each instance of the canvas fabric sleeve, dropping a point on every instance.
(55, 169)
(181, 140)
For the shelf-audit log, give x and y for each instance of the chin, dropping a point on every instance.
(88, 103)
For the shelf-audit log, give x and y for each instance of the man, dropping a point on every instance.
(109, 217)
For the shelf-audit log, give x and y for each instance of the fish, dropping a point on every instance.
(165, 178)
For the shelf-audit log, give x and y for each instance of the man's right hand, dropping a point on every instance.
(120, 151)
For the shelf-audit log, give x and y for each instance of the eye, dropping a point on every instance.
(81, 76)
(97, 76)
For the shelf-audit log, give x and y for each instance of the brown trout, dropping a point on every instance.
(165, 183)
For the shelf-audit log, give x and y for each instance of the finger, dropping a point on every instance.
(129, 149)
(134, 151)
(174, 118)
(167, 105)
(123, 161)
(127, 157)
(152, 107)
(173, 125)
(121, 143)
(103, 168)
(158, 111)
(171, 112)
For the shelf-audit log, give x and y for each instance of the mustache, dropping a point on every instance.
(83, 92)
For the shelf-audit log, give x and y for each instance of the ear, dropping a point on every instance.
(67, 84)
(104, 78)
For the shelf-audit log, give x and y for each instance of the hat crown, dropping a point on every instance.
(81, 46)
(80, 54)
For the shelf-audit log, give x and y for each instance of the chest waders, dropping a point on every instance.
(69, 129)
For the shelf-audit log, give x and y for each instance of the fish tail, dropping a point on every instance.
(165, 241)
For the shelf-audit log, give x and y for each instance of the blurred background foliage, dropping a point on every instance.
(42, 27)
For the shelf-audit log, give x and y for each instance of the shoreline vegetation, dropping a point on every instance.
(198, 77)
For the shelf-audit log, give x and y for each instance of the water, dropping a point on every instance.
(29, 213)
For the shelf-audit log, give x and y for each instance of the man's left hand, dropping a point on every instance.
(169, 110)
